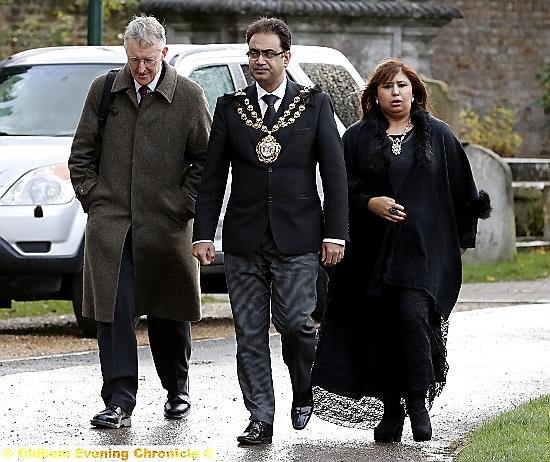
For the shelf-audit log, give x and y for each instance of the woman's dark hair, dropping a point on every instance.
(271, 26)
(385, 72)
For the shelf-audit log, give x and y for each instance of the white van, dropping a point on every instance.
(42, 92)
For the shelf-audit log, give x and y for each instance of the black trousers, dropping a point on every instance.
(170, 343)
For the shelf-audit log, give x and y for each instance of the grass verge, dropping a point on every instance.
(520, 435)
(42, 307)
(526, 267)
(37, 308)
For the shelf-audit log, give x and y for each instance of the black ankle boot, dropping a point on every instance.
(390, 428)
(420, 419)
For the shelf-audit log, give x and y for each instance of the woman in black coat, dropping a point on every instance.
(414, 209)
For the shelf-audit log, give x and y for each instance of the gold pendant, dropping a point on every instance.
(268, 149)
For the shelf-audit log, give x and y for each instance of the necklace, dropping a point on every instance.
(268, 148)
(397, 141)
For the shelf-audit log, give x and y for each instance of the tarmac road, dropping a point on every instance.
(498, 359)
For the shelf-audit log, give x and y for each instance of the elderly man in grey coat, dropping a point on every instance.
(140, 200)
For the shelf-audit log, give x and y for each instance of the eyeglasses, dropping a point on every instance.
(147, 62)
(267, 54)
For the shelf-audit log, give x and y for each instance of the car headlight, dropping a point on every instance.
(49, 185)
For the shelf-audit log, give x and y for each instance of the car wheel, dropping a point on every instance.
(86, 325)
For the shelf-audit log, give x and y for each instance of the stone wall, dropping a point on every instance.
(489, 57)
(12, 16)
(42, 23)
(34, 23)
(363, 40)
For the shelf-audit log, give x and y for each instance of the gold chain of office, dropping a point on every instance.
(268, 149)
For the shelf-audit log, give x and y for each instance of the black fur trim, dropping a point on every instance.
(423, 153)
(478, 208)
(481, 208)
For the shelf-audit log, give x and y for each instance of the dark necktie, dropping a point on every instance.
(269, 116)
(143, 90)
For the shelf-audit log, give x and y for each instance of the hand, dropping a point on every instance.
(462, 251)
(331, 253)
(205, 252)
(387, 208)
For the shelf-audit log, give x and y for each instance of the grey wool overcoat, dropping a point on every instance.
(146, 183)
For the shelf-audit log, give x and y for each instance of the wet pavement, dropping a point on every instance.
(504, 293)
(498, 359)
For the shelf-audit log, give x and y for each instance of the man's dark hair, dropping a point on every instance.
(271, 26)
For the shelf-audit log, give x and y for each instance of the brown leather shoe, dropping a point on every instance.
(111, 417)
(257, 432)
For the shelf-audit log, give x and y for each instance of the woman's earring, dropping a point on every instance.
(412, 99)
(376, 100)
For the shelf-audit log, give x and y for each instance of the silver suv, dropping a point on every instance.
(42, 92)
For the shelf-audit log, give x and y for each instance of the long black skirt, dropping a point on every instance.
(389, 343)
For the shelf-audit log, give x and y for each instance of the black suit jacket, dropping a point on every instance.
(282, 194)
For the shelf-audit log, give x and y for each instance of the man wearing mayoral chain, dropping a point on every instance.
(273, 134)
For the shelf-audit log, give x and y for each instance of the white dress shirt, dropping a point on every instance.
(279, 93)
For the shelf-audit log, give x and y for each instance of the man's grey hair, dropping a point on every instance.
(146, 31)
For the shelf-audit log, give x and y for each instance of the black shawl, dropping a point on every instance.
(442, 205)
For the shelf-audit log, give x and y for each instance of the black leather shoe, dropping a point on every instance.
(302, 408)
(176, 407)
(111, 417)
(257, 432)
